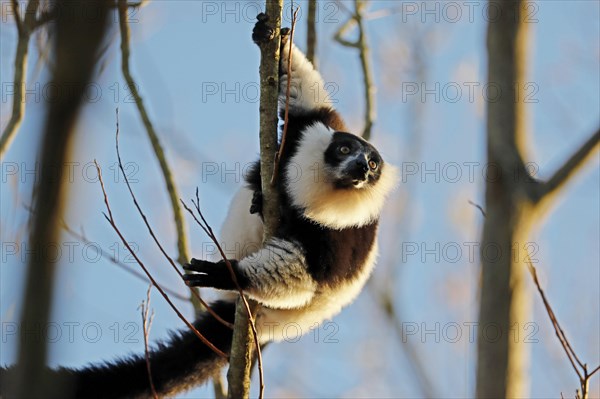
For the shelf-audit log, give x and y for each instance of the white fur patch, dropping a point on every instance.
(289, 324)
(242, 232)
(307, 91)
(311, 187)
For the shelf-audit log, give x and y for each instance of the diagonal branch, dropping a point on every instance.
(580, 368)
(151, 231)
(24, 30)
(113, 224)
(571, 166)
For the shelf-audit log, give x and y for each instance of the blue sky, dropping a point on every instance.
(182, 51)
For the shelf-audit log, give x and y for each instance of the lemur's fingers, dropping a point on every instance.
(263, 31)
(199, 265)
(285, 35)
(198, 280)
(256, 205)
(215, 275)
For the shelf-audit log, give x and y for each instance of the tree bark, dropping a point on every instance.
(502, 357)
(242, 346)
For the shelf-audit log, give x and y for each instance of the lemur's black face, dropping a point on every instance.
(352, 161)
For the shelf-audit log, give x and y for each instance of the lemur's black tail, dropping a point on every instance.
(177, 365)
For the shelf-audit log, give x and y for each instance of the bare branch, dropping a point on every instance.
(112, 222)
(571, 166)
(156, 241)
(576, 363)
(17, 13)
(311, 33)
(250, 309)
(339, 34)
(560, 334)
(146, 325)
(106, 254)
(25, 28)
(365, 62)
(182, 244)
(76, 60)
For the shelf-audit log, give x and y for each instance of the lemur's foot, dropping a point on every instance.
(263, 31)
(257, 203)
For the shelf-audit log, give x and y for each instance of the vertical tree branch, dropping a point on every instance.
(311, 33)
(501, 364)
(182, 244)
(238, 375)
(77, 40)
(365, 61)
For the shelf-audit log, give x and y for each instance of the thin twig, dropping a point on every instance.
(209, 232)
(112, 222)
(287, 99)
(478, 207)
(106, 255)
(151, 231)
(583, 374)
(146, 325)
(557, 329)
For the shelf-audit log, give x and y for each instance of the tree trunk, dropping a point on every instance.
(502, 356)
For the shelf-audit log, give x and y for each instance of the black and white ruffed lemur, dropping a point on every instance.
(333, 185)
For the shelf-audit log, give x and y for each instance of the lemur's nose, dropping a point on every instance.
(361, 164)
(359, 169)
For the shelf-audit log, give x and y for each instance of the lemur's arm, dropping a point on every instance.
(276, 276)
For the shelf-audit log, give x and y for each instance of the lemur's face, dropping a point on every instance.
(352, 162)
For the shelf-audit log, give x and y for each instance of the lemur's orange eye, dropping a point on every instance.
(373, 165)
(345, 150)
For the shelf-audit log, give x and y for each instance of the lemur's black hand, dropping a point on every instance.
(263, 31)
(212, 274)
(257, 203)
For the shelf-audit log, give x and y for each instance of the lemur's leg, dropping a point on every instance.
(276, 276)
(307, 92)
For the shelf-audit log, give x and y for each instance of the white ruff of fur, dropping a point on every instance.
(310, 186)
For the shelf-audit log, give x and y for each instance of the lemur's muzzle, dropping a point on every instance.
(358, 171)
